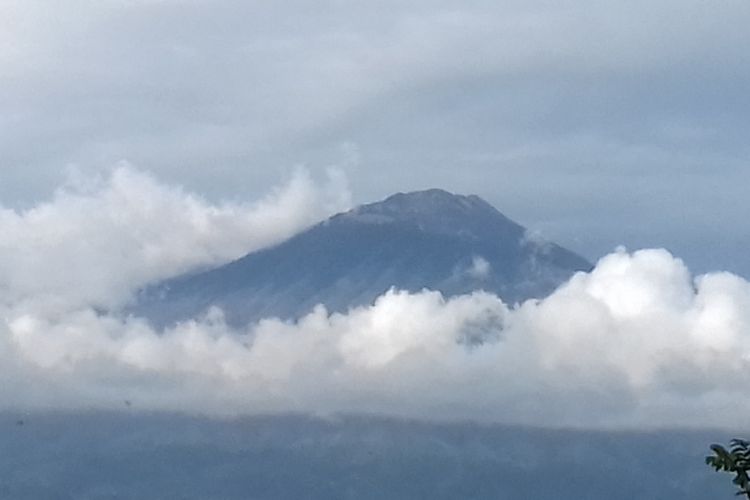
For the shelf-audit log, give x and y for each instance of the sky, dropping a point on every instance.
(143, 139)
(597, 123)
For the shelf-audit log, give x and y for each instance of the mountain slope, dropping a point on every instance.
(428, 239)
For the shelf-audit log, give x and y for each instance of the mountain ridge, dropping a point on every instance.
(425, 239)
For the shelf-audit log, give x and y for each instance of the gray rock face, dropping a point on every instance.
(427, 239)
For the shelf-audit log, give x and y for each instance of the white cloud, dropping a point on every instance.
(637, 342)
(480, 268)
(100, 239)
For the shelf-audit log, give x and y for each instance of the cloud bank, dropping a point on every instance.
(99, 239)
(637, 342)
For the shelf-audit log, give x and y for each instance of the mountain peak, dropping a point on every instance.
(428, 201)
(425, 239)
(436, 211)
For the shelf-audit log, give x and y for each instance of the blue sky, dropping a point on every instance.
(598, 123)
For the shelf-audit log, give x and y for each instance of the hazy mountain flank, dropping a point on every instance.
(427, 239)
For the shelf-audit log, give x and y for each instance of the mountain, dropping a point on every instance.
(427, 239)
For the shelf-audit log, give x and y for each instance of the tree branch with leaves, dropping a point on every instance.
(735, 460)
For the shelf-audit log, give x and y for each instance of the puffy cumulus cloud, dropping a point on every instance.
(99, 239)
(637, 342)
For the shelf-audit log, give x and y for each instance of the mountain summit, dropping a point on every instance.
(439, 212)
(426, 239)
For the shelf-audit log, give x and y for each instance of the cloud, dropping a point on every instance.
(593, 113)
(637, 342)
(480, 269)
(591, 106)
(100, 238)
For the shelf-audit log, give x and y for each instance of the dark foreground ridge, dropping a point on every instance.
(134, 456)
(411, 241)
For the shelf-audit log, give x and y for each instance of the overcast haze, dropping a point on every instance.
(596, 122)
